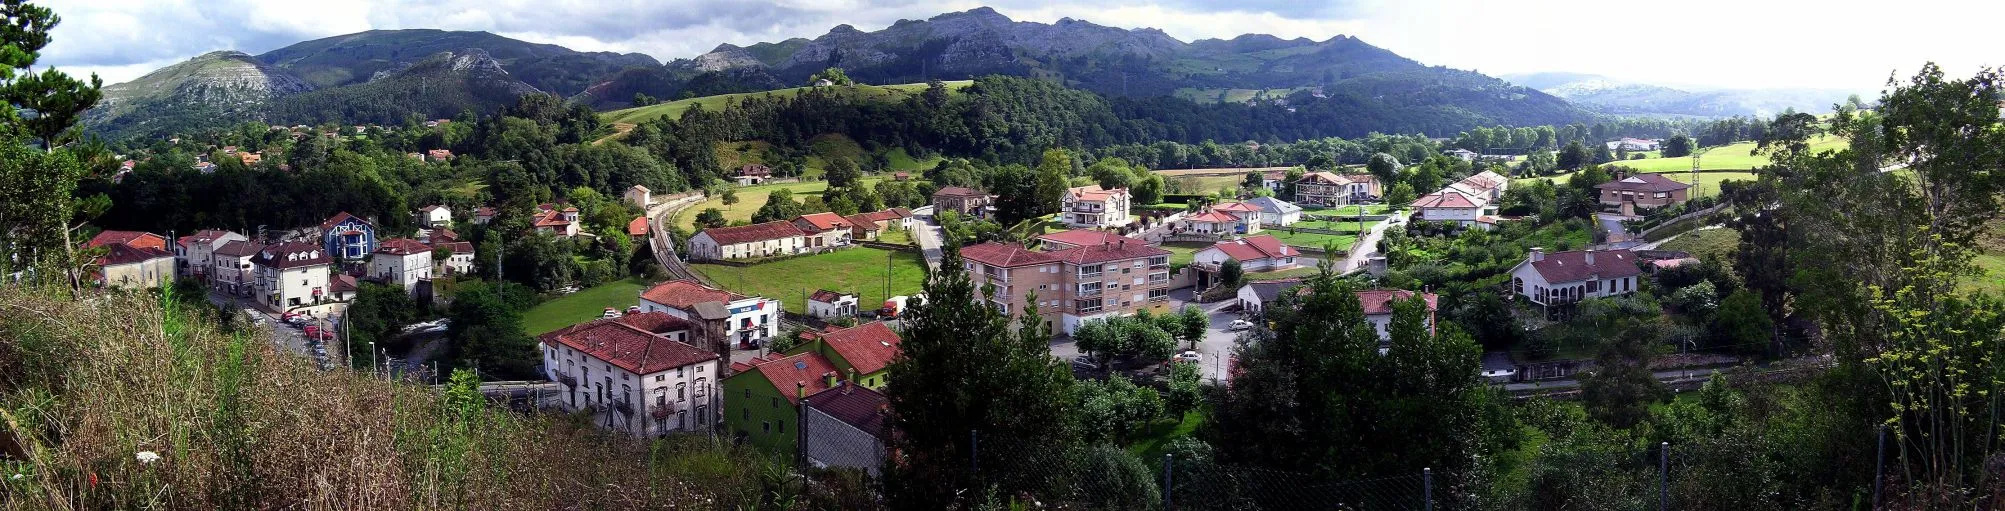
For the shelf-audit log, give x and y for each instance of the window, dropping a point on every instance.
(679, 389)
(1593, 286)
(748, 393)
(766, 427)
(1087, 306)
(774, 400)
(661, 399)
(746, 413)
(699, 370)
(782, 425)
(1156, 295)
(701, 418)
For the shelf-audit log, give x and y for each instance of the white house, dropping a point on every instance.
(562, 223)
(824, 230)
(195, 253)
(641, 374)
(1257, 295)
(773, 238)
(1486, 184)
(1249, 216)
(1254, 253)
(1449, 205)
(639, 196)
(827, 304)
(1212, 222)
(1463, 154)
(401, 262)
(291, 275)
(752, 319)
(1567, 277)
(230, 269)
(459, 263)
(435, 216)
(1091, 206)
(1276, 212)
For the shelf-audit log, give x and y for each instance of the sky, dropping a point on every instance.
(1697, 44)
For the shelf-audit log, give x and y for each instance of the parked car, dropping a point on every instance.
(1240, 324)
(1086, 361)
(1190, 356)
(610, 313)
(633, 309)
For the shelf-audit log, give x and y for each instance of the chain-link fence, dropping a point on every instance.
(1202, 485)
(1103, 476)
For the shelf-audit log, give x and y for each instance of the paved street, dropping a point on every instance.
(1363, 249)
(928, 235)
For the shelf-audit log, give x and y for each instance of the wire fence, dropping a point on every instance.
(1109, 477)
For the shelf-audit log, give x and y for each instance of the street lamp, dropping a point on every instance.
(372, 356)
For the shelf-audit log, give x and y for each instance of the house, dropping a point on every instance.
(639, 196)
(129, 267)
(557, 222)
(752, 174)
(1566, 277)
(824, 230)
(289, 275)
(347, 237)
(747, 241)
(435, 236)
(1634, 144)
(1276, 212)
(250, 159)
(762, 398)
(194, 254)
(1249, 216)
(868, 226)
(827, 304)
(1329, 189)
(966, 201)
(1256, 296)
(482, 215)
(205, 167)
(134, 239)
(1254, 253)
(230, 267)
(844, 428)
(1091, 206)
(902, 176)
(1486, 184)
(1463, 154)
(342, 287)
(1075, 238)
(1075, 284)
(1450, 205)
(401, 262)
(637, 228)
(1212, 222)
(642, 374)
(1274, 181)
(435, 216)
(439, 155)
(862, 353)
(458, 261)
(750, 319)
(1649, 191)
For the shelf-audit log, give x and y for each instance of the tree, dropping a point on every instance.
(38, 202)
(1678, 146)
(730, 196)
(376, 314)
(486, 334)
(1621, 389)
(842, 173)
(1253, 180)
(1742, 324)
(834, 75)
(779, 205)
(642, 99)
(1191, 324)
(711, 218)
(1383, 166)
(1186, 390)
(1602, 154)
(1574, 156)
(1400, 195)
(1049, 191)
(1230, 274)
(963, 368)
(1111, 478)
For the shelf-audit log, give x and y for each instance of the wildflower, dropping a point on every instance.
(18, 477)
(147, 457)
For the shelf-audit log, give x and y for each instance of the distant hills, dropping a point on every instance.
(1612, 96)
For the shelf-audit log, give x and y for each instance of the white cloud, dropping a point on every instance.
(1851, 44)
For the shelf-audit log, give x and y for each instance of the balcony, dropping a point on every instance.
(567, 380)
(661, 412)
(624, 407)
(1089, 292)
(1089, 310)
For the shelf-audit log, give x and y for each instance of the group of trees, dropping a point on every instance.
(1143, 336)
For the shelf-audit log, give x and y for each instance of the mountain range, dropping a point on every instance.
(385, 76)
(1613, 96)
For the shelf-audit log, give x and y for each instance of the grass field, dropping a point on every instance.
(1314, 240)
(1727, 157)
(894, 236)
(731, 155)
(1182, 251)
(1709, 182)
(751, 198)
(1990, 261)
(1704, 243)
(713, 103)
(1204, 184)
(897, 160)
(859, 270)
(1340, 225)
(584, 305)
(1369, 209)
(1239, 171)
(1308, 268)
(1156, 436)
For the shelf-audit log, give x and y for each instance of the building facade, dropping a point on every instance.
(749, 320)
(1075, 284)
(289, 275)
(638, 373)
(230, 271)
(1330, 189)
(1562, 278)
(769, 239)
(829, 305)
(401, 262)
(966, 201)
(1093, 207)
(1254, 253)
(128, 267)
(195, 253)
(347, 237)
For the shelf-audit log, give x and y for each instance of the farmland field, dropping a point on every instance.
(1727, 157)
(751, 198)
(859, 270)
(1709, 182)
(674, 109)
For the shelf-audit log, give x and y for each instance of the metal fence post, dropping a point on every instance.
(1168, 479)
(974, 452)
(1427, 488)
(1879, 466)
(1664, 477)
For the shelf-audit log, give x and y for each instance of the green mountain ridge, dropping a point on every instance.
(213, 89)
(440, 86)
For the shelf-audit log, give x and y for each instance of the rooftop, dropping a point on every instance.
(791, 374)
(1573, 266)
(1379, 301)
(684, 294)
(285, 256)
(773, 230)
(854, 405)
(632, 342)
(869, 347)
(1650, 183)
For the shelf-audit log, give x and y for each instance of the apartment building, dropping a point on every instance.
(1073, 284)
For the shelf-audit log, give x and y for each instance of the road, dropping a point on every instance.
(1216, 348)
(928, 235)
(1612, 223)
(1362, 250)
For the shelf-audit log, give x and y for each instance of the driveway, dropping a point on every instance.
(1365, 246)
(1612, 223)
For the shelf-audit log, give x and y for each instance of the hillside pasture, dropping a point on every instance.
(674, 109)
(1728, 157)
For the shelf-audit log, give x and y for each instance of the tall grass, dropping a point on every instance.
(85, 386)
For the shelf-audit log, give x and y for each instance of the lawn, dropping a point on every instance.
(1352, 210)
(1156, 436)
(1204, 184)
(1727, 157)
(582, 306)
(1314, 240)
(897, 160)
(751, 198)
(894, 236)
(1709, 182)
(859, 270)
(1308, 268)
(1992, 277)
(673, 109)
(1350, 226)
(1182, 251)
(1717, 243)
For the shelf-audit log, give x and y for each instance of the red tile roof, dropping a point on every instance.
(861, 221)
(1485, 180)
(956, 191)
(402, 246)
(483, 211)
(238, 249)
(1445, 199)
(286, 256)
(1559, 267)
(754, 170)
(1121, 250)
(868, 347)
(1005, 255)
(343, 283)
(819, 222)
(1212, 216)
(1237, 206)
(1327, 178)
(551, 218)
(204, 236)
(683, 294)
(1379, 301)
(773, 230)
(120, 253)
(1083, 237)
(134, 239)
(791, 374)
(825, 296)
(855, 405)
(637, 227)
(1648, 183)
(1096, 194)
(1256, 247)
(631, 342)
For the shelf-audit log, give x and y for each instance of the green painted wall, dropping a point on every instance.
(753, 408)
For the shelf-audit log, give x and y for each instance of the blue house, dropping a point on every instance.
(348, 237)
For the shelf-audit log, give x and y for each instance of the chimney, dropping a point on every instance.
(800, 390)
(1538, 254)
(828, 379)
(1590, 257)
(852, 376)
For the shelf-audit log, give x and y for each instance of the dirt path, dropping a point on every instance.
(620, 130)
